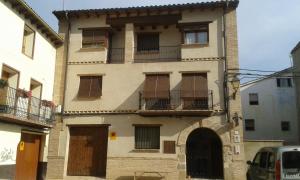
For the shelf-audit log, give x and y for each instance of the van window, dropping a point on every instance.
(291, 160)
(263, 160)
(271, 161)
(256, 159)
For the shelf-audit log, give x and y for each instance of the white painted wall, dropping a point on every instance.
(276, 104)
(41, 67)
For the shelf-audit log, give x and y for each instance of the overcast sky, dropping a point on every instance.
(267, 29)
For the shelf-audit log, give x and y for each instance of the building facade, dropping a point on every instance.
(27, 62)
(296, 65)
(144, 93)
(269, 108)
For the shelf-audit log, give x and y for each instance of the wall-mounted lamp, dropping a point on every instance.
(235, 82)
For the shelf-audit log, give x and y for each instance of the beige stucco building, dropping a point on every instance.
(145, 94)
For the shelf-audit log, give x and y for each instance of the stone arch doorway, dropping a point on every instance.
(204, 154)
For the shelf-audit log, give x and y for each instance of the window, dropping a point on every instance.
(93, 38)
(148, 42)
(284, 82)
(194, 91)
(271, 160)
(90, 87)
(253, 99)
(157, 91)
(147, 137)
(28, 41)
(249, 125)
(285, 126)
(256, 160)
(263, 160)
(196, 35)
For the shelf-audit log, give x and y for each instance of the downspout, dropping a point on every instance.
(67, 37)
(225, 81)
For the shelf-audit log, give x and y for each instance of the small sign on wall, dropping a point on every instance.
(22, 146)
(113, 135)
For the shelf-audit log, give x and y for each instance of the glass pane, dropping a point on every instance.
(202, 38)
(190, 38)
(263, 160)
(291, 160)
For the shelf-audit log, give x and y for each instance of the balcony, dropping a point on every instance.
(176, 105)
(116, 56)
(18, 106)
(160, 54)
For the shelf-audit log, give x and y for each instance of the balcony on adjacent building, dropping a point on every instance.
(200, 103)
(18, 106)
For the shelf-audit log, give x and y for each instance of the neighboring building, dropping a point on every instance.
(296, 65)
(27, 57)
(269, 108)
(142, 91)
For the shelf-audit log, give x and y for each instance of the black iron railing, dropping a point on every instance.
(161, 53)
(21, 104)
(178, 100)
(116, 56)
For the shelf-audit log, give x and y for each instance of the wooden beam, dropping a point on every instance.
(145, 20)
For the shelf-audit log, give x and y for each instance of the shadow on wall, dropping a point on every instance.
(7, 171)
(132, 101)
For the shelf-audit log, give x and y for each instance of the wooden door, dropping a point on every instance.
(87, 151)
(28, 157)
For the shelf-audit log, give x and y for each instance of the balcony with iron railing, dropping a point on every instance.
(18, 106)
(158, 54)
(177, 104)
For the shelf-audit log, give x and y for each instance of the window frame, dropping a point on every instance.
(247, 127)
(94, 45)
(285, 126)
(251, 102)
(279, 83)
(140, 49)
(196, 29)
(146, 126)
(33, 41)
(89, 96)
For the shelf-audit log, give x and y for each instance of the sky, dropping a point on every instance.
(267, 29)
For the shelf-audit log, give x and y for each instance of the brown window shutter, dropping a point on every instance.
(201, 88)
(194, 85)
(187, 86)
(90, 86)
(87, 36)
(96, 86)
(84, 87)
(169, 147)
(150, 86)
(157, 86)
(163, 86)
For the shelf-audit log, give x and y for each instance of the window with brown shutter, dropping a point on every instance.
(157, 86)
(157, 91)
(94, 38)
(169, 147)
(90, 87)
(194, 91)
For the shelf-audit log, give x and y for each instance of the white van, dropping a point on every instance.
(275, 163)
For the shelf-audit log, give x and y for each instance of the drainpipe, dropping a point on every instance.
(225, 81)
(67, 37)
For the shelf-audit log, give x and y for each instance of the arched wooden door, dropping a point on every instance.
(204, 154)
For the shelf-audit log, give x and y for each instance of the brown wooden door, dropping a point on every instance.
(87, 151)
(28, 157)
